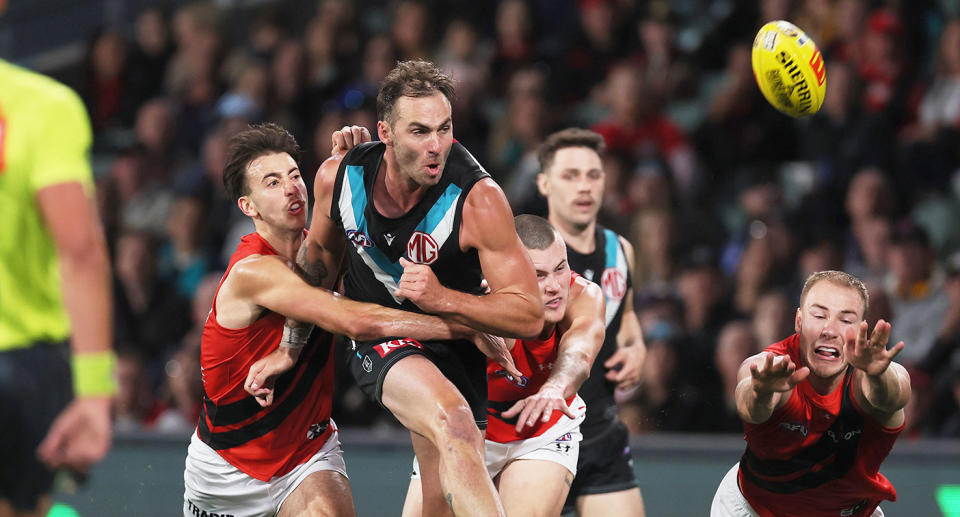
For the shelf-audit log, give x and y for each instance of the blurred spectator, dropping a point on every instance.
(182, 385)
(148, 58)
(654, 233)
(735, 343)
(637, 126)
(150, 316)
(866, 255)
(106, 86)
(133, 400)
(409, 29)
(773, 318)
(182, 259)
(915, 286)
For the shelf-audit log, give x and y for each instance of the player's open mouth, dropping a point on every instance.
(296, 207)
(434, 168)
(554, 303)
(827, 352)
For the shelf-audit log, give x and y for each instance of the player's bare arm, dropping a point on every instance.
(513, 308)
(766, 383)
(884, 386)
(625, 365)
(583, 327)
(263, 282)
(80, 436)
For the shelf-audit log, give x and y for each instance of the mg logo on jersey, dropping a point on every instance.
(385, 348)
(422, 249)
(359, 238)
(614, 284)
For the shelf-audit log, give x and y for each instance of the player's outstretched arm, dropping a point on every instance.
(884, 386)
(513, 307)
(766, 383)
(625, 365)
(268, 281)
(583, 328)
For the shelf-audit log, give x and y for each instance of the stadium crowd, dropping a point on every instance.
(729, 204)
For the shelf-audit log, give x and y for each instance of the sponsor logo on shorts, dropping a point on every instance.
(385, 348)
(367, 364)
(563, 448)
(565, 438)
(195, 510)
(316, 430)
(422, 248)
(521, 382)
(359, 238)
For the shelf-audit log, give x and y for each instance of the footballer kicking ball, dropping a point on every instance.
(789, 69)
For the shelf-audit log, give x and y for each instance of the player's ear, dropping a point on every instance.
(542, 183)
(797, 320)
(247, 206)
(384, 132)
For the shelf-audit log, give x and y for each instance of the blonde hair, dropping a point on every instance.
(839, 278)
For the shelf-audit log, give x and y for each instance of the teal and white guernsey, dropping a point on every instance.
(607, 267)
(427, 234)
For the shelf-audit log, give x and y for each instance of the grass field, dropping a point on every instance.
(678, 475)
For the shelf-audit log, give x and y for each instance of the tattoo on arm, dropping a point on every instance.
(450, 503)
(313, 272)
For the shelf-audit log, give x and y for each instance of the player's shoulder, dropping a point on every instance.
(47, 94)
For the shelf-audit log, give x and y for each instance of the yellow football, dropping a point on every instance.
(789, 69)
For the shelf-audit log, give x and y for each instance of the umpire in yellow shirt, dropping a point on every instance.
(54, 293)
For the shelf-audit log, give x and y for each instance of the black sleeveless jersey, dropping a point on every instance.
(607, 267)
(428, 234)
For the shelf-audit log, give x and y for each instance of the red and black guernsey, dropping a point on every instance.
(818, 455)
(271, 441)
(534, 358)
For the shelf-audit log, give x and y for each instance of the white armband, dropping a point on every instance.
(295, 337)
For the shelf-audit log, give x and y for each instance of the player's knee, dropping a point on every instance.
(455, 422)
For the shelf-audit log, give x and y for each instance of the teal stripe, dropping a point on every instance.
(433, 218)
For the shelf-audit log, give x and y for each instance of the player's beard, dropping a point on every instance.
(412, 165)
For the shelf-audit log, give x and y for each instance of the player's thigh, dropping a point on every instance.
(534, 487)
(627, 503)
(324, 493)
(414, 501)
(431, 495)
(422, 398)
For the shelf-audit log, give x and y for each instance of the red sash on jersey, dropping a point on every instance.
(271, 441)
(818, 455)
(534, 359)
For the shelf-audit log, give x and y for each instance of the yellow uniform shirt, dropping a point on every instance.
(45, 140)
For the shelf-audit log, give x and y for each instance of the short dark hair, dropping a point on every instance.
(250, 144)
(536, 233)
(415, 78)
(570, 137)
(839, 278)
